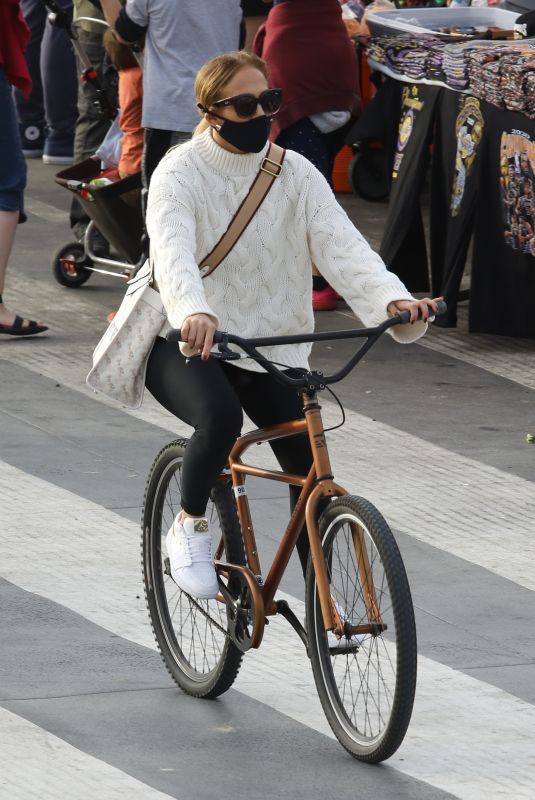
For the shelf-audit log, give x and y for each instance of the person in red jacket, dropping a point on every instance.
(312, 59)
(14, 35)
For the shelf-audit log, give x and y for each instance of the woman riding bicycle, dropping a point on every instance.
(262, 288)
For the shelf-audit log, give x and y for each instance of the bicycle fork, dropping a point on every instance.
(325, 487)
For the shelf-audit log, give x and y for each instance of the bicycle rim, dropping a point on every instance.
(367, 692)
(191, 633)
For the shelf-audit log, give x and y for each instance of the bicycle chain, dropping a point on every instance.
(201, 609)
(208, 617)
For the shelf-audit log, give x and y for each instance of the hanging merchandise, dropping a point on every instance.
(403, 247)
(502, 295)
(468, 95)
(455, 180)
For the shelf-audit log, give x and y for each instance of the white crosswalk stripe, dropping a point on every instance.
(492, 523)
(35, 763)
(466, 737)
(99, 577)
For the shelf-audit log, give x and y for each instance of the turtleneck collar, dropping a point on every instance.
(224, 161)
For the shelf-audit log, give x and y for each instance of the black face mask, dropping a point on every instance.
(250, 136)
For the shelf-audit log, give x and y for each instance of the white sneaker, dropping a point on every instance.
(189, 546)
(343, 643)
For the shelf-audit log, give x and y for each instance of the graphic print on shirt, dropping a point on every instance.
(469, 131)
(411, 104)
(517, 157)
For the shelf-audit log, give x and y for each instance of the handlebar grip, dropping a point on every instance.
(174, 336)
(404, 316)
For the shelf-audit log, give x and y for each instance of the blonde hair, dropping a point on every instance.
(216, 73)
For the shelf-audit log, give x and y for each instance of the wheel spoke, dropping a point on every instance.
(360, 687)
(192, 634)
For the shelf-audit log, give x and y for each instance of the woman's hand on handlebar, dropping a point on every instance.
(418, 309)
(198, 331)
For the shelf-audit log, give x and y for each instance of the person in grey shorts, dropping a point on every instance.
(180, 36)
(48, 116)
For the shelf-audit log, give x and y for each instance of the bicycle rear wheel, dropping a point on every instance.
(366, 690)
(192, 634)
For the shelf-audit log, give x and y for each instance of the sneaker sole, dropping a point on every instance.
(194, 595)
(32, 153)
(187, 590)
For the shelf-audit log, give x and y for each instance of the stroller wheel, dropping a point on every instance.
(369, 176)
(67, 265)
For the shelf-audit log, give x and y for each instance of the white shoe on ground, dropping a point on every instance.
(189, 546)
(343, 643)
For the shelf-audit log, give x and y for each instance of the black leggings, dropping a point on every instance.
(209, 396)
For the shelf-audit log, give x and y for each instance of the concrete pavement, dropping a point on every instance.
(435, 436)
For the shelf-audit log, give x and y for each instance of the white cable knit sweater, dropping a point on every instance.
(264, 285)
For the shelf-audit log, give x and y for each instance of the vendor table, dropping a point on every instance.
(482, 186)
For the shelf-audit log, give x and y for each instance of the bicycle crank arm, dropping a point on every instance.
(285, 611)
(245, 605)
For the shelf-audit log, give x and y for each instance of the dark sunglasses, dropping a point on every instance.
(245, 105)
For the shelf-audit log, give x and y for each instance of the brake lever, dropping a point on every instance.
(226, 354)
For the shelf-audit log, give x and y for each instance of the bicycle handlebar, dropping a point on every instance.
(310, 380)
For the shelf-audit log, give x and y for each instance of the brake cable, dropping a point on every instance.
(225, 355)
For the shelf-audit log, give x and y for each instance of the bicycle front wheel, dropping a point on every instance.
(366, 684)
(192, 634)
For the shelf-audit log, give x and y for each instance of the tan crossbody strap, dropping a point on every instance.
(269, 170)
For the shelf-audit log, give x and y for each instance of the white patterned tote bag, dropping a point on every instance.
(120, 358)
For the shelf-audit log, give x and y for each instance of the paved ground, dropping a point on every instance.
(435, 436)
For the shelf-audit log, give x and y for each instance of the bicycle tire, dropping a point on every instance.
(367, 693)
(191, 634)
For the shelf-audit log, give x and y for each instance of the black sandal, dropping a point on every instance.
(18, 329)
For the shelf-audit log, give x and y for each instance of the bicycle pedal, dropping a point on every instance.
(167, 566)
(344, 651)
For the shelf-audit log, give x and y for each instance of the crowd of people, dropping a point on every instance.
(59, 119)
(221, 105)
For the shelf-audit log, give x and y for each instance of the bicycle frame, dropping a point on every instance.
(356, 583)
(317, 484)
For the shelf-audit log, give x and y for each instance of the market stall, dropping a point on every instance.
(468, 103)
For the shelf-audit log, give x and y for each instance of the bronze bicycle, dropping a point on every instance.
(356, 583)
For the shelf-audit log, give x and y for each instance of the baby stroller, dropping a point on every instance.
(114, 208)
(117, 219)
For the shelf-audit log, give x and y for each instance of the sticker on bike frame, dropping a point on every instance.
(240, 490)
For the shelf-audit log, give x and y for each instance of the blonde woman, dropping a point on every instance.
(262, 288)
